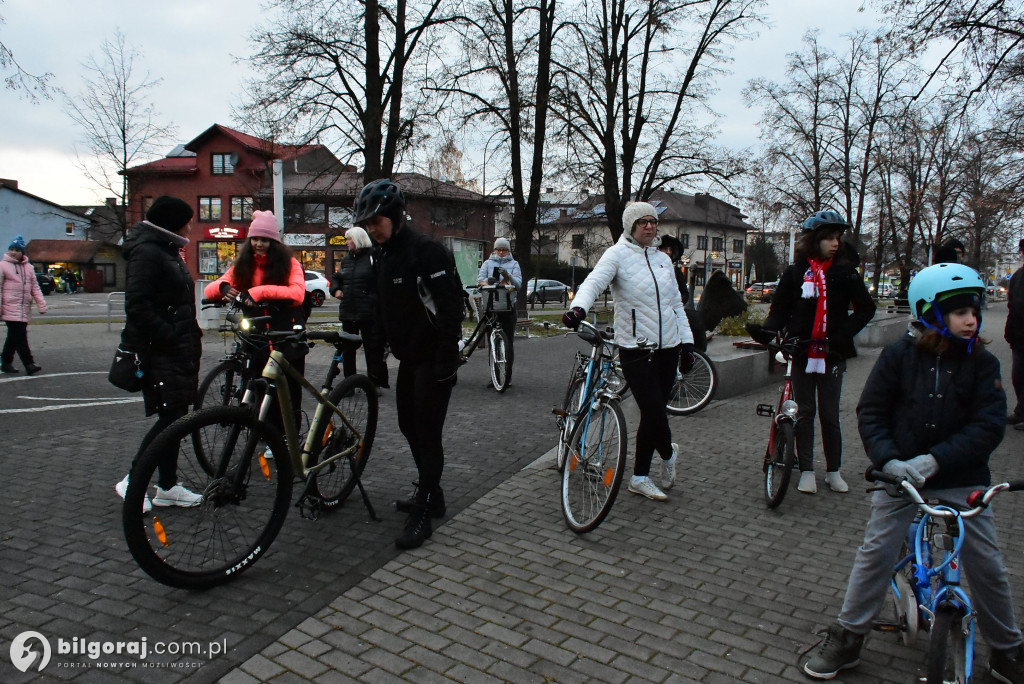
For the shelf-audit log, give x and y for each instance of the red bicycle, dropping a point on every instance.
(780, 456)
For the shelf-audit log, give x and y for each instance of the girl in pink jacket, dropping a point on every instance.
(18, 287)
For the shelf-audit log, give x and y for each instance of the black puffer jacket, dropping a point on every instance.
(407, 261)
(358, 284)
(952, 407)
(160, 318)
(845, 288)
(1014, 331)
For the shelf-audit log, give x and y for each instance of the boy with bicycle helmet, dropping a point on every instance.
(932, 411)
(420, 305)
(812, 302)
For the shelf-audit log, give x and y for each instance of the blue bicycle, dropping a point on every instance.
(926, 591)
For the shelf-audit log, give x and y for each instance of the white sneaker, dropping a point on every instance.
(835, 482)
(122, 487)
(177, 496)
(807, 484)
(668, 469)
(644, 486)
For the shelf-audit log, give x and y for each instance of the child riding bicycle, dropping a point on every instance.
(932, 411)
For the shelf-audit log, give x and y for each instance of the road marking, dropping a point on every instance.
(22, 396)
(49, 375)
(56, 407)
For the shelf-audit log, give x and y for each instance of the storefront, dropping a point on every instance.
(216, 251)
(310, 249)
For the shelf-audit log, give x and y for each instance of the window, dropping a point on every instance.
(717, 244)
(702, 242)
(737, 246)
(69, 228)
(577, 241)
(685, 239)
(209, 208)
(220, 165)
(301, 214)
(241, 208)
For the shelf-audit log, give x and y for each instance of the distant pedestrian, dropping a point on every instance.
(355, 284)
(1014, 334)
(160, 325)
(671, 246)
(18, 288)
(501, 268)
(951, 251)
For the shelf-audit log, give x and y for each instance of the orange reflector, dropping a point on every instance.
(609, 475)
(327, 434)
(158, 528)
(264, 466)
(574, 460)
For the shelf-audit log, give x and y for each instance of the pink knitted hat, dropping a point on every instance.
(264, 225)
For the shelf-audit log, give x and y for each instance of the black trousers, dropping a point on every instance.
(508, 324)
(373, 349)
(422, 404)
(168, 469)
(17, 341)
(650, 377)
(818, 391)
(1017, 378)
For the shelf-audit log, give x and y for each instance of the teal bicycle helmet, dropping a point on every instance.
(942, 288)
(825, 219)
(379, 198)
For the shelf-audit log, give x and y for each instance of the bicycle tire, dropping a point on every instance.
(571, 406)
(593, 470)
(222, 386)
(947, 647)
(779, 465)
(694, 390)
(243, 506)
(356, 396)
(497, 360)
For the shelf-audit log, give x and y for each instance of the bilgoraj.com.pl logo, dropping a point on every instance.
(31, 650)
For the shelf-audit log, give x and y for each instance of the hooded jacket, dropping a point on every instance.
(515, 274)
(845, 289)
(160, 318)
(647, 300)
(18, 288)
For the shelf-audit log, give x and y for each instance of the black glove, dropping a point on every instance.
(759, 333)
(572, 317)
(491, 281)
(503, 273)
(224, 287)
(687, 358)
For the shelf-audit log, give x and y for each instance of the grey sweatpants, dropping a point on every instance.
(980, 557)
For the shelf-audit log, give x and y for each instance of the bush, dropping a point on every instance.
(735, 326)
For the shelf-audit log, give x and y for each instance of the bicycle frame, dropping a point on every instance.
(786, 409)
(486, 322)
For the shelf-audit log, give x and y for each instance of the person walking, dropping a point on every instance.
(648, 306)
(1014, 335)
(501, 268)
(18, 289)
(160, 325)
(932, 411)
(812, 302)
(355, 284)
(419, 299)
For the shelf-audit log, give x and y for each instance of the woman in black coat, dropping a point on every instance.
(812, 302)
(355, 284)
(160, 324)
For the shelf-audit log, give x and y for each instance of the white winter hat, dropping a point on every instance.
(502, 243)
(634, 211)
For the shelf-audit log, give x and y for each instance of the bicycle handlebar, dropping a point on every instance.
(978, 500)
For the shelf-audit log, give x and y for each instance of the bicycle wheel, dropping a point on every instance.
(222, 386)
(594, 466)
(693, 391)
(779, 464)
(243, 504)
(497, 359)
(947, 647)
(356, 396)
(571, 405)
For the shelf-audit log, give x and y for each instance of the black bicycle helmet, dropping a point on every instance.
(381, 197)
(825, 219)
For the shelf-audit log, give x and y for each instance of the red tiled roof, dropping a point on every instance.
(251, 142)
(168, 165)
(52, 251)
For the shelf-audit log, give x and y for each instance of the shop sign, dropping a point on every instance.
(223, 233)
(735, 264)
(304, 239)
(338, 240)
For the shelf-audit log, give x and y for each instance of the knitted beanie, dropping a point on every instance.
(634, 211)
(17, 243)
(264, 225)
(502, 243)
(170, 213)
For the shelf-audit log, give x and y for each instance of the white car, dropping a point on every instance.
(317, 286)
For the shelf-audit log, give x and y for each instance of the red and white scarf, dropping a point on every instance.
(814, 286)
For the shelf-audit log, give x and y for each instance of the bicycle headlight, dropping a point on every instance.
(789, 408)
(245, 324)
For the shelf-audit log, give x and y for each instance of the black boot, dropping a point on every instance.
(8, 368)
(32, 369)
(1007, 665)
(417, 525)
(839, 650)
(436, 509)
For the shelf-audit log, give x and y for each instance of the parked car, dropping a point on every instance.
(997, 291)
(885, 290)
(539, 290)
(762, 292)
(46, 283)
(317, 286)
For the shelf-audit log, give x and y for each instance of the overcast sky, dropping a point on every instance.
(192, 45)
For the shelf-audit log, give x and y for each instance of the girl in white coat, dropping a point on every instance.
(647, 305)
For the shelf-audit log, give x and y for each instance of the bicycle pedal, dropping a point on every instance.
(309, 506)
(765, 410)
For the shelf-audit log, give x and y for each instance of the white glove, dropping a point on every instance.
(898, 468)
(924, 464)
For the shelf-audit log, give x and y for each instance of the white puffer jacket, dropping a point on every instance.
(647, 301)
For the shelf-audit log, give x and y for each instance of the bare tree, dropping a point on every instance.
(352, 75)
(117, 121)
(34, 87)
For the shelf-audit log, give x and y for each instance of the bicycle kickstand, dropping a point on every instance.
(362, 492)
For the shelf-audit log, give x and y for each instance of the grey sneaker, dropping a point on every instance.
(807, 485)
(836, 483)
(122, 487)
(176, 496)
(668, 469)
(839, 650)
(644, 486)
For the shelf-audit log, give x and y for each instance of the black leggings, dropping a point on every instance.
(422, 404)
(17, 341)
(168, 467)
(651, 377)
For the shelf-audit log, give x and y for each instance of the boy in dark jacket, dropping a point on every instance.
(932, 411)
